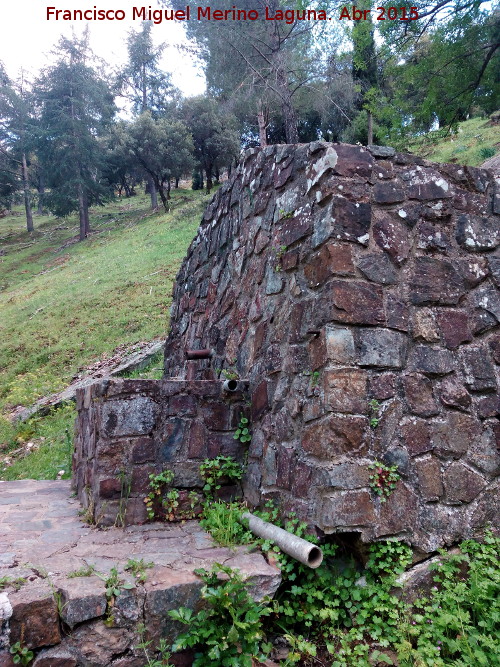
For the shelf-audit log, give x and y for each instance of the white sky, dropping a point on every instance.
(27, 37)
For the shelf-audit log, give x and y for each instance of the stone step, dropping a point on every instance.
(68, 620)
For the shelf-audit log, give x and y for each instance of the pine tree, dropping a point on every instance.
(75, 107)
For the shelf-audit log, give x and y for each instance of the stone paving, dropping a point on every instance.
(68, 621)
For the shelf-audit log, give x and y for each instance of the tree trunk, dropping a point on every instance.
(261, 120)
(370, 128)
(176, 182)
(26, 189)
(169, 185)
(153, 193)
(208, 173)
(81, 213)
(86, 212)
(41, 194)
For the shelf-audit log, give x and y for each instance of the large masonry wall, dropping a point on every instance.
(329, 276)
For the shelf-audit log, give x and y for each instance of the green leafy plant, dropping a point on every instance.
(243, 433)
(486, 152)
(284, 215)
(223, 522)
(279, 252)
(21, 655)
(213, 471)
(374, 413)
(11, 582)
(315, 379)
(459, 622)
(125, 487)
(228, 630)
(383, 480)
(157, 485)
(162, 652)
(170, 503)
(229, 374)
(85, 571)
(138, 569)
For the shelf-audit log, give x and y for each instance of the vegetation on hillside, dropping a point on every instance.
(66, 304)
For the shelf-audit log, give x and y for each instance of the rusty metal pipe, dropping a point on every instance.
(305, 552)
(199, 354)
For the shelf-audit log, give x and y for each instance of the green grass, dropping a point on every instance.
(474, 142)
(64, 305)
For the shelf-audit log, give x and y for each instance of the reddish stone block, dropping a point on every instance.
(479, 370)
(416, 435)
(345, 390)
(340, 259)
(399, 513)
(435, 281)
(454, 327)
(216, 416)
(260, 401)
(183, 404)
(335, 436)
(453, 435)
(197, 443)
(429, 479)
(392, 236)
(462, 484)
(382, 386)
(285, 457)
(301, 479)
(317, 351)
(488, 406)
(388, 193)
(352, 220)
(295, 229)
(140, 479)
(34, 619)
(454, 394)
(346, 510)
(358, 303)
(419, 396)
(290, 260)
(110, 488)
(143, 450)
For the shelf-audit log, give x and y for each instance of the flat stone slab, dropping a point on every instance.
(44, 541)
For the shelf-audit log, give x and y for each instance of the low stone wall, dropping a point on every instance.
(129, 429)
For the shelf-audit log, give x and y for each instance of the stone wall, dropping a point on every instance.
(331, 276)
(130, 429)
(356, 292)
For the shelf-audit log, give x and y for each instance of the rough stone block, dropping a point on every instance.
(378, 268)
(382, 386)
(453, 435)
(432, 360)
(83, 598)
(347, 509)
(392, 236)
(352, 220)
(479, 370)
(455, 328)
(357, 303)
(419, 395)
(381, 348)
(454, 394)
(345, 390)
(429, 479)
(462, 484)
(335, 436)
(416, 435)
(476, 233)
(435, 281)
(399, 513)
(34, 619)
(339, 345)
(135, 416)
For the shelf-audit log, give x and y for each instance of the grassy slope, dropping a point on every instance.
(65, 304)
(472, 143)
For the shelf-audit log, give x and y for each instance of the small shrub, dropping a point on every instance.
(228, 631)
(243, 433)
(383, 480)
(223, 522)
(213, 471)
